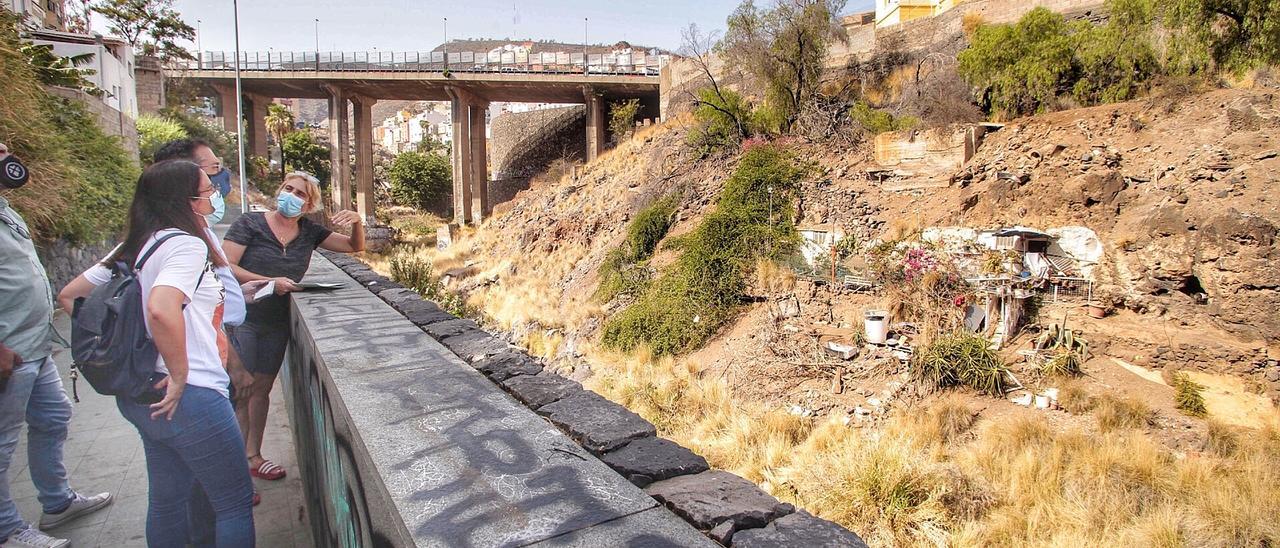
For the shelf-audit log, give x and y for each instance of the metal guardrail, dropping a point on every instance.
(428, 61)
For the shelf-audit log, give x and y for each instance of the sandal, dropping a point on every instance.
(268, 471)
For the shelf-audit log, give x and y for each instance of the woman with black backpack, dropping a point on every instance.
(187, 423)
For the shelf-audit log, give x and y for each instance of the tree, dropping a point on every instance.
(152, 27)
(784, 47)
(622, 118)
(279, 122)
(713, 103)
(305, 154)
(1238, 34)
(420, 180)
(55, 70)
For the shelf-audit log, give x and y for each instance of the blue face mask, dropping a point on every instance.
(222, 181)
(219, 208)
(289, 205)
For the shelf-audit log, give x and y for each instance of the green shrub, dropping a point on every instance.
(724, 120)
(222, 142)
(625, 269)
(1024, 68)
(153, 132)
(1188, 395)
(876, 121)
(420, 180)
(961, 359)
(690, 301)
(417, 274)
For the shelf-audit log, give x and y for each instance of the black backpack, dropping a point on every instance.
(109, 341)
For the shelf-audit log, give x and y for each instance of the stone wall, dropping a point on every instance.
(112, 121)
(64, 261)
(149, 80)
(523, 144)
(440, 438)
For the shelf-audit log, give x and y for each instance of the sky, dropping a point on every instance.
(417, 25)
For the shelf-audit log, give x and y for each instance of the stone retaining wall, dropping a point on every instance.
(64, 261)
(726, 508)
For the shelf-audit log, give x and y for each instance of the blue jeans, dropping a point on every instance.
(34, 395)
(201, 444)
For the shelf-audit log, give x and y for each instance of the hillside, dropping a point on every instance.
(1187, 227)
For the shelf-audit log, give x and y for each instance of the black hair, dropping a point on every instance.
(180, 149)
(163, 200)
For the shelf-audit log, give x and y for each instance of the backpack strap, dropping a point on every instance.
(154, 247)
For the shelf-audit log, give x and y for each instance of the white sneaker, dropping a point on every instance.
(33, 538)
(80, 506)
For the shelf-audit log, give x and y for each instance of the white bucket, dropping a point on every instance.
(876, 326)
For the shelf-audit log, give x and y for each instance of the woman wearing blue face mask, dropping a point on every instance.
(277, 245)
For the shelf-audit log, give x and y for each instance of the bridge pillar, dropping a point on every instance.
(227, 106)
(339, 149)
(461, 157)
(479, 163)
(595, 123)
(257, 130)
(364, 157)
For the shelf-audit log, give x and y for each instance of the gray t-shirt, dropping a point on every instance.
(265, 255)
(26, 301)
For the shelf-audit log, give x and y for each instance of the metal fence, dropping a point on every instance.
(429, 61)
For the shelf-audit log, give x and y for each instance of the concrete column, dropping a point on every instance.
(479, 164)
(460, 111)
(595, 123)
(364, 157)
(227, 106)
(256, 132)
(340, 149)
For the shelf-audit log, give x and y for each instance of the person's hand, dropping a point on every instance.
(285, 285)
(8, 361)
(345, 218)
(243, 381)
(172, 395)
(250, 288)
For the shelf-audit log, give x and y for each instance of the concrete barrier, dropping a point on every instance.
(411, 431)
(401, 443)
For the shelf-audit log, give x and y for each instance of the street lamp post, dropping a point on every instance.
(244, 201)
(586, 57)
(446, 44)
(199, 50)
(317, 45)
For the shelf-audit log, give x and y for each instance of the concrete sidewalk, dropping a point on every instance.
(104, 453)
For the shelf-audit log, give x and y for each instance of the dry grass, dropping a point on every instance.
(1073, 397)
(1121, 413)
(773, 278)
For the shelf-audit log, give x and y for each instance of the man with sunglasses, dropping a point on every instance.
(30, 387)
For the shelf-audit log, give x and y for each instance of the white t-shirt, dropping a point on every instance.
(182, 263)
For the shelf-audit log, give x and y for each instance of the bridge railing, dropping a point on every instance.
(429, 61)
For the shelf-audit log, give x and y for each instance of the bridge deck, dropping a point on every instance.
(546, 87)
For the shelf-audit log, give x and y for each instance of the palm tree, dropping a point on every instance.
(279, 121)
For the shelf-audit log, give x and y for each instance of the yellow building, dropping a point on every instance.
(892, 12)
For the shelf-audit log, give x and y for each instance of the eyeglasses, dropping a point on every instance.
(203, 192)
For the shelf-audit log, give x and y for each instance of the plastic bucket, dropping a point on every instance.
(876, 326)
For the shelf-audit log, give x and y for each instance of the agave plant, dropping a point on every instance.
(1069, 350)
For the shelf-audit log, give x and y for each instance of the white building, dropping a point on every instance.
(112, 65)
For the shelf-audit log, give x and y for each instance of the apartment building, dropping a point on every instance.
(893, 12)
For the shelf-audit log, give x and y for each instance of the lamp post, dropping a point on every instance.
(446, 44)
(244, 201)
(317, 45)
(199, 50)
(586, 58)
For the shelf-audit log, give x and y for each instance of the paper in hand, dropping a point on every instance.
(266, 291)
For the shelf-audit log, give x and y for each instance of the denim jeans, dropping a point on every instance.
(34, 395)
(202, 443)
